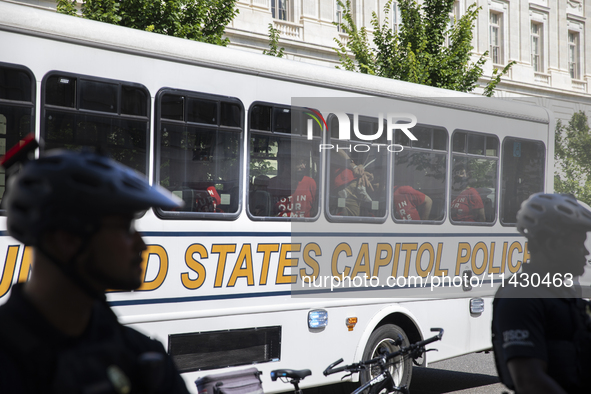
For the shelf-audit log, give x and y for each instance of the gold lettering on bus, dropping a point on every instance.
(395, 261)
(479, 270)
(285, 261)
(429, 248)
(194, 265)
(160, 253)
(363, 262)
(243, 267)
(26, 261)
(491, 268)
(223, 251)
(463, 256)
(408, 248)
(310, 261)
(438, 271)
(514, 268)
(381, 260)
(8, 273)
(266, 249)
(342, 247)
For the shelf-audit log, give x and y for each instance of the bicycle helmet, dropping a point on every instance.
(72, 191)
(551, 215)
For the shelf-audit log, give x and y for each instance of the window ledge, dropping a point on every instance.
(542, 78)
(289, 29)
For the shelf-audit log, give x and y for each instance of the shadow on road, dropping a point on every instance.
(439, 381)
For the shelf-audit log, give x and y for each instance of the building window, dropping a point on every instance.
(454, 16)
(396, 20)
(280, 9)
(574, 65)
(536, 46)
(338, 16)
(496, 37)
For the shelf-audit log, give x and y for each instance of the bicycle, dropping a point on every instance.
(383, 383)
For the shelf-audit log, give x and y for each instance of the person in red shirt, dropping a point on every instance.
(411, 204)
(467, 204)
(302, 201)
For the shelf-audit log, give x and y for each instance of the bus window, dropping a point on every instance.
(283, 163)
(81, 111)
(198, 158)
(474, 177)
(420, 175)
(522, 175)
(357, 173)
(17, 92)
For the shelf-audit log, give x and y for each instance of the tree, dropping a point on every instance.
(425, 49)
(573, 157)
(197, 20)
(274, 49)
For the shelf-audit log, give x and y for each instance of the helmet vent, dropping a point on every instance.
(86, 180)
(564, 209)
(537, 207)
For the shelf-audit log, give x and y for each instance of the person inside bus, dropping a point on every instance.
(541, 329)
(409, 203)
(57, 332)
(351, 184)
(294, 192)
(466, 205)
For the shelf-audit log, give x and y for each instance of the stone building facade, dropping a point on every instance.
(550, 41)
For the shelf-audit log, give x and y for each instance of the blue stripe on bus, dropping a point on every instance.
(273, 294)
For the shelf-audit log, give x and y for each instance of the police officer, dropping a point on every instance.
(57, 333)
(540, 328)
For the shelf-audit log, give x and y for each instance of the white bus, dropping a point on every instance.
(231, 280)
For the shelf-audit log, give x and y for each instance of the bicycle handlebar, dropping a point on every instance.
(404, 350)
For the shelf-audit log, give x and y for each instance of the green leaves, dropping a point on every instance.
(199, 20)
(274, 49)
(573, 157)
(428, 48)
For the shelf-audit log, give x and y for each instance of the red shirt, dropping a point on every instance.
(301, 202)
(406, 201)
(462, 206)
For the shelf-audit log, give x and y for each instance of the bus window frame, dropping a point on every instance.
(475, 156)
(447, 153)
(24, 104)
(301, 137)
(327, 177)
(544, 170)
(112, 115)
(182, 215)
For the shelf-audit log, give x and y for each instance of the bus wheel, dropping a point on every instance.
(382, 338)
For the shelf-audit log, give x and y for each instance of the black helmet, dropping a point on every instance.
(551, 215)
(72, 190)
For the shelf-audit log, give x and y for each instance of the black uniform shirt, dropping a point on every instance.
(34, 355)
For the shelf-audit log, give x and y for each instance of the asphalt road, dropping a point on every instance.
(470, 374)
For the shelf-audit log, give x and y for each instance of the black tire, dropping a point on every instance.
(401, 368)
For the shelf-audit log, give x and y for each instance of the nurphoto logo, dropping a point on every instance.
(393, 122)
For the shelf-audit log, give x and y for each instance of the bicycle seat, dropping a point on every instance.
(290, 373)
